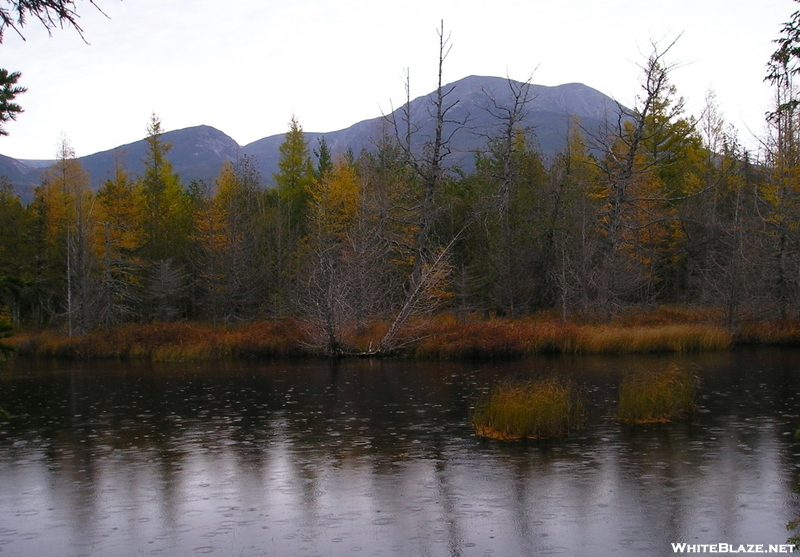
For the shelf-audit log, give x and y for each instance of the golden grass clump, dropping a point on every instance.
(535, 410)
(661, 396)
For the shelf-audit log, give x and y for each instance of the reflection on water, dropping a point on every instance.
(379, 458)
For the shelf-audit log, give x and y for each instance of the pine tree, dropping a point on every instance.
(8, 92)
(324, 159)
(17, 250)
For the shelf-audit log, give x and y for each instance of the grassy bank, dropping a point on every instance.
(444, 337)
(535, 410)
(782, 332)
(505, 338)
(168, 342)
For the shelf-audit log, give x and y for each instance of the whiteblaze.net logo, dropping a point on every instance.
(731, 548)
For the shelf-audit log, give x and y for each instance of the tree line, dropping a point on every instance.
(655, 208)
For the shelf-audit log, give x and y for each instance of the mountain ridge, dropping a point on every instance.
(198, 152)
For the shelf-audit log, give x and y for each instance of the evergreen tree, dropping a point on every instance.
(8, 92)
(324, 159)
(17, 250)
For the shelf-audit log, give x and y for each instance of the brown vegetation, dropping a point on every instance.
(442, 337)
(525, 337)
(169, 341)
(783, 332)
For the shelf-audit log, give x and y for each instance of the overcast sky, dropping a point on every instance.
(245, 66)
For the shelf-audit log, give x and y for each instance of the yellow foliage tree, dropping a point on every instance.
(68, 215)
(334, 203)
(225, 230)
(118, 237)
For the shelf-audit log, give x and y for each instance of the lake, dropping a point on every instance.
(311, 458)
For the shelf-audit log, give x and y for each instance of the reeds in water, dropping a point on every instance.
(534, 410)
(661, 396)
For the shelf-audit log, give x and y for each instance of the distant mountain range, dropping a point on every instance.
(199, 152)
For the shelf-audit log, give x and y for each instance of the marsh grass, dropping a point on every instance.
(782, 332)
(169, 342)
(657, 396)
(442, 337)
(617, 339)
(499, 338)
(534, 410)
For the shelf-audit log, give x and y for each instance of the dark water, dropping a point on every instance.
(378, 458)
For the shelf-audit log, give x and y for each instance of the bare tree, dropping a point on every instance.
(69, 209)
(424, 298)
(326, 296)
(573, 227)
(429, 261)
(632, 149)
(779, 195)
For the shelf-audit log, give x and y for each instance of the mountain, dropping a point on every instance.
(22, 176)
(549, 113)
(198, 152)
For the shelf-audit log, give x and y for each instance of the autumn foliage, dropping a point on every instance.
(396, 250)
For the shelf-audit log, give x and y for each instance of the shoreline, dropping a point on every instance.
(442, 338)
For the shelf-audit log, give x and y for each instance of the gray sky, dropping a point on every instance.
(245, 66)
